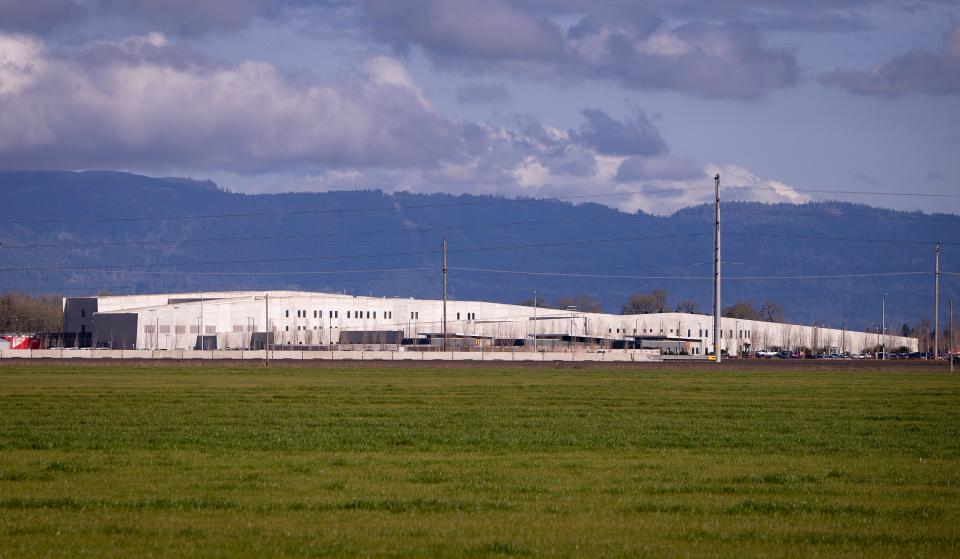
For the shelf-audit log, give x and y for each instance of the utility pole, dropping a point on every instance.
(202, 337)
(534, 321)
(883, 326)
(443, 248)
(716, 271)
(266, 322)
(936, 306)
(950, 349)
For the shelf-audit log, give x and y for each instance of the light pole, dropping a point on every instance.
(716, 272)
(883, 326)
(534, 321)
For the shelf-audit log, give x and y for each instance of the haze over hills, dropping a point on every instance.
(83, 233)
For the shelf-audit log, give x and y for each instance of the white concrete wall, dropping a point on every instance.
(614, 355)
(234, 316)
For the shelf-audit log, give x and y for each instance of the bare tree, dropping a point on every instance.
(742, 310)
(771, 312)
(582, 302)
(645, 303)
(22, 314)
(531, 302)
(687, 306)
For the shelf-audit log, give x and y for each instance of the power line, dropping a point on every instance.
(497, 201)
(899, 214)
(127, 268)
(168, 242)
(614, 276)
(446, 205)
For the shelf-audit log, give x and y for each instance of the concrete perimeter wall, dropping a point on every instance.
(611, 356)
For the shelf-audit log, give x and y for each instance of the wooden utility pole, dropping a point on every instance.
(443, 248)
(716, 271)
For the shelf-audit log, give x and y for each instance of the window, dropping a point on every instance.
(374, 315)
(458, 316)
(83, 329)
(368, 314)
(336, 314)
(348, 314)
(411, 315)
(303, 313)
(287, 328)
(83, 313)
(287, 314)
(314, 314)
(688, 332)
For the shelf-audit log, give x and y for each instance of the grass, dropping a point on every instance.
(477, 463)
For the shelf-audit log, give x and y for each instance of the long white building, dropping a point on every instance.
(296, 319)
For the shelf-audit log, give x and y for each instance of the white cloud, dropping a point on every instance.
(145, 104)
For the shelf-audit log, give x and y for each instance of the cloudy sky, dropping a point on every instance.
(632, 103)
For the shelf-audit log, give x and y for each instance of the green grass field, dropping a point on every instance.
(477, 462)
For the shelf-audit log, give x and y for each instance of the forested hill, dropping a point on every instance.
(84, 233)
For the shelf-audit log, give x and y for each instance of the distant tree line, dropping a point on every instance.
(656, 301)
(581, 303)
(22, 314)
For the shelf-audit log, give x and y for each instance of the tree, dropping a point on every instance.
(771, 312)
(742, 310)
(23, 314)
(688, 306)
(581, 302)
(531, 302)
(645, 303)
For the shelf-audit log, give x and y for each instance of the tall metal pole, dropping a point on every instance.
(883, 327)
(266, 322)
(443, 247)
(534, 321)
(952, 342)
(936, 306)
(202, 338)
(716, 271)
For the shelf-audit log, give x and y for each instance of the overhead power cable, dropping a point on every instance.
(352, 256)
(394, 208)
(408, 230)
(614, 276)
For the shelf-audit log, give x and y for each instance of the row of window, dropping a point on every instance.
(470, 316)
(336, 314)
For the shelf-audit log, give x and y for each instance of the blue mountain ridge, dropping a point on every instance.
(80, 233)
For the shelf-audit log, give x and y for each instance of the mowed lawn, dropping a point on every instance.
(477, 462)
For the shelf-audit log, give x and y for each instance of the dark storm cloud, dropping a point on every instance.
(634, 136)
(475, 92)
(917, 71)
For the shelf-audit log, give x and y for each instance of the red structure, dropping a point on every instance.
(26, 342)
